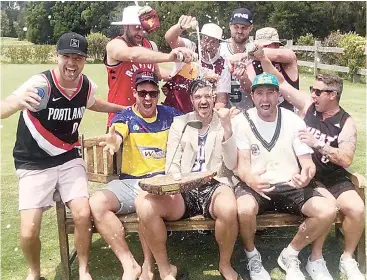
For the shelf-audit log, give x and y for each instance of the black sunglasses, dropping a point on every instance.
(319, 91)
(144, 93)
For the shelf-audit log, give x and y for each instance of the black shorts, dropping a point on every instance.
(197, 201)
(284, 198)
(336, 186)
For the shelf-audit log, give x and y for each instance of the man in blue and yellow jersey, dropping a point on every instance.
(142, 130)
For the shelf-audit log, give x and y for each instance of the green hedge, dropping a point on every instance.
(39, 54)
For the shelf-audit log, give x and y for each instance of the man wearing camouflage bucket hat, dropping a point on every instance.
(283, 59)
(269, 152)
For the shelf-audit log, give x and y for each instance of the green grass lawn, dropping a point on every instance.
(195, 253)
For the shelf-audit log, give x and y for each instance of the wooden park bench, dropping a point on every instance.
(102, 168)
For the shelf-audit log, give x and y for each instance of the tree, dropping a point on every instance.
(39, 30)
(4, 27)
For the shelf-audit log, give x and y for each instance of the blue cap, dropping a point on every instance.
(265, 79)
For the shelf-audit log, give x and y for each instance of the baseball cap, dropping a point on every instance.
(265, 79)
(212, 30)
(130, 16)
(241, 16)
(72, 43)
(146, 76)
(266, 36)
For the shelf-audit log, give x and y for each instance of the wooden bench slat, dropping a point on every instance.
(100, 160)
(90, 160)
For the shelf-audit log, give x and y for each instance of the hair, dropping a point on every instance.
(333, 82)
(200, 83)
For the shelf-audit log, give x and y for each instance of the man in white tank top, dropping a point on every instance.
(276, 170)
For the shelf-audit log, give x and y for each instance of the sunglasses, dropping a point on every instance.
(144, 93)
(319, 91)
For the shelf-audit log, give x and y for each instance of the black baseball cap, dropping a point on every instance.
(241, 16)
(72, 42)
(146, 76)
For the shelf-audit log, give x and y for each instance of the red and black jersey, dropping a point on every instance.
(49, 137)
(279, 66)
(327, 131)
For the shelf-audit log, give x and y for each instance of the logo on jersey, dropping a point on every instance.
(150, 152)
(65, 114)
(255, 150)
(135, 127)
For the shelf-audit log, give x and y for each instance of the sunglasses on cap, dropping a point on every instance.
(144, 93)
(319, 91)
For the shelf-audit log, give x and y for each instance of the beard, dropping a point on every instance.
(131, 40)
(239, 40)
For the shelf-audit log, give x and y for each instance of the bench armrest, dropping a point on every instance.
(358, 180)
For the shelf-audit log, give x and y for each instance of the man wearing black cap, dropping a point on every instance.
(142, 130)
(47, 152)
(241, 24)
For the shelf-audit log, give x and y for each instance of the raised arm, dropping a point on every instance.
(14, 103)
(173, 35)
(117, 50)
(106, 107)
(298, 98)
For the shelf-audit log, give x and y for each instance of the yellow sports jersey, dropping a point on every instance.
(144, 141)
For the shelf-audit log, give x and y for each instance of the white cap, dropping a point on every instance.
(130, 16)
(212, 30)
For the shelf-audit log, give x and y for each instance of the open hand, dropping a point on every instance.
(259, 185)
(110, 141)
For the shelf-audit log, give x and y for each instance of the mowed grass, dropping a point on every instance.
(192, 252)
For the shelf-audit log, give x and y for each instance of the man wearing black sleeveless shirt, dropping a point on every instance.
(283, 59)
(332, 134)
(47, 152)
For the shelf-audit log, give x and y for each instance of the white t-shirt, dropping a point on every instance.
(40, 81)
(274, 145)
(224, 82)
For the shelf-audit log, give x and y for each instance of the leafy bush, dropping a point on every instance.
(332, 40)
(306, 40)
(97, 46)
(43, 53)
(354, 48)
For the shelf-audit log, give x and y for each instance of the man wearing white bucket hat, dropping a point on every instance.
(212, 65)
(130, 52)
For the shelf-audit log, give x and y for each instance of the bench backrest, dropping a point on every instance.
(102, 167)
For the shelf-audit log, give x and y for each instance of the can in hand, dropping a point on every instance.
(43, 93)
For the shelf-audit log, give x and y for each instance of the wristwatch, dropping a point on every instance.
(320, 144)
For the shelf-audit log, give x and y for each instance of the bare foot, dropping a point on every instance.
(172, 274)
(33, 276)
(84, 275)
(146, 272)
(228, 272)
(133, 272)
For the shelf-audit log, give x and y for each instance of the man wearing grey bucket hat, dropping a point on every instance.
(130, 52)
(283, 59)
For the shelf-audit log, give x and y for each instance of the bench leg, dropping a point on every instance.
(361, 253)
(63, 240)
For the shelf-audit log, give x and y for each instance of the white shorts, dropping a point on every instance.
(126, 191)
(37, 187)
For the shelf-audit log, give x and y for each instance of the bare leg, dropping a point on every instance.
(103, 205)
(321, 214)
(30, 226)
(147, 272)
(318, 243)
(352, 206)
(247, 208)
(83, 233)
(223, 209)
(152, 209)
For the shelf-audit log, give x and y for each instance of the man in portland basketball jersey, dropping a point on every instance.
(47, 152)
(332, 134)
(276, 170)
(131, 53)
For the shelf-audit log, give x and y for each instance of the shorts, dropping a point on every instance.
(197, 201)
(37, 187)
(284, 198)
(336, 186)
(126, 192)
